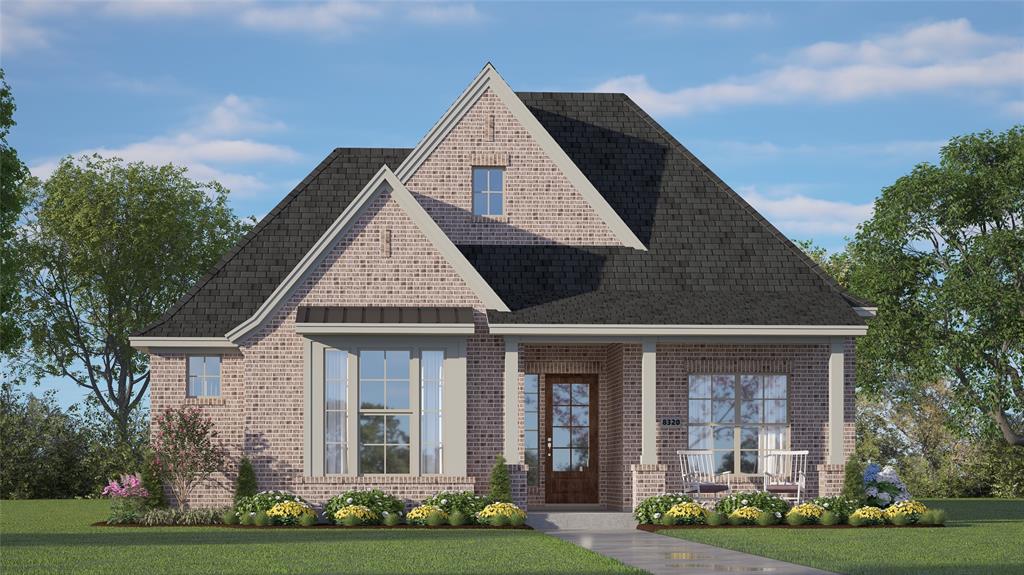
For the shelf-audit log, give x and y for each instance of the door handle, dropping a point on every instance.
(549, 447)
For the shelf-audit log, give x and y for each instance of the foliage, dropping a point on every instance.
(198, 516)
(509, 511)
(882, 486)
(867, 515)
(419, 515)
(151, 481)
(716, 518)
(501, 487)
(12, 201)
(436, 519)
(797, 519)
(652, 509)
(362, 515)
(909, 509)
(840, 506)
(392, 519)
(831, 518)
(289, 512)
(108, 246)
(745, 515)
(853, 477)
(261, 519)
(686, 513)
(186, 450)
(229, 517)
(382, 504)
(767, 518)
(943, 259)
(810, 511)
(457, 518)
(307, 519)
(465, 502)
(245, 483)
(130, 485)
(760, 499)
(933, 517)
(265, 501)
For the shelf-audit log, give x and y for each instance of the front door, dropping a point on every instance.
(572, 447)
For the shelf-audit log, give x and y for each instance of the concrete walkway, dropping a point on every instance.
(658, 554)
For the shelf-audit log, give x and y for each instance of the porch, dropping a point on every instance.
(597, 421)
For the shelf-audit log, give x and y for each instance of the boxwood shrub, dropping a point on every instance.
(651, 510)
(759, 499)
(380, 503)
(465, 502)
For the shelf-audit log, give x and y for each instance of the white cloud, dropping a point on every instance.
(332, 18)
(443, 13)
(721, 21)
(920, 149)
(159, 8)
(1014, 109)
(798, 214)
(208, 150)
(831, 72)
(21, 28)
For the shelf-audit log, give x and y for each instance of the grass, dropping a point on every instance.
(46, 536)
(982, 536)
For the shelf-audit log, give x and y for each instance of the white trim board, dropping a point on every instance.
(385, 328)
(144, 344)
(489, 78)
(702, 330)
(383, 179)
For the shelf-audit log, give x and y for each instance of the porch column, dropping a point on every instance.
(648, 413)
(511, 403)
(836, 377)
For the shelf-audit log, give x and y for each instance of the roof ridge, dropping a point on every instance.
(813, 265)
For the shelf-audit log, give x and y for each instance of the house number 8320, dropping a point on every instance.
(668, 421)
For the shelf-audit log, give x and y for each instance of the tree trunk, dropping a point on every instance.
(1012, 437)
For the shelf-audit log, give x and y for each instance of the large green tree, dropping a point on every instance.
(12, 202)
(109, 246)
(943, 258)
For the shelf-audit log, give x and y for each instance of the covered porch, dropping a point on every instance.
(593, 422)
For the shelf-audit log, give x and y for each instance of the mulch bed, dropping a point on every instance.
(318, 526)
(653, 528)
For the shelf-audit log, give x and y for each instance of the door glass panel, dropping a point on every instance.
(580, 394)
(580, 459)
(560, 437)
(560, 415)
(581, 437)
(531, 421)
(560, 460)
(580, 415)
(561, 394)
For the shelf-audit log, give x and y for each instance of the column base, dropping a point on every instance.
(648, 480)
(830, 479)
(517, 484)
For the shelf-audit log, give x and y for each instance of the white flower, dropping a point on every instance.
(384, 513)
(444, 502)
(825, 505)
(277, 497)
(349, 500)
(744, 502)
(777, 514)
(657, 515)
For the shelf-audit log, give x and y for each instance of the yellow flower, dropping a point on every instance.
(911, 509)
(419, 514)
(687, 512)
(289, 511)
(504, 509)
(361, 512)
(746, 514)
(810, 511)
(870, 515)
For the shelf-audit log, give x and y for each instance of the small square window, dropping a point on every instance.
(488, 191)
(203, 376)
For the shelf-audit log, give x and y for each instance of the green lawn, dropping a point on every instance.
(56, 537)
(983, 536)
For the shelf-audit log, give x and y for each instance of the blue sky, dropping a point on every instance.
(807, 109)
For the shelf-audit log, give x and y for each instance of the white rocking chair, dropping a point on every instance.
(699, 473)
(785, 473)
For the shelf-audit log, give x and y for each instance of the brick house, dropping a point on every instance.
(548, 276)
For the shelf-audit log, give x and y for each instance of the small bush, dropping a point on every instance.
(457, 518)
(796, 519)
(151, 481)
(465, 502)
(126, 510)
(900, 520)
(499, 521)
(245, 518)
(501, 487)
(436, 519)
(830, 518)
(506, 510)
(350, 521)
(905, 511)
(767, 518)
(715, 519)
(652, 509)
(810, 512)
(375, 500)
(762, 500)
(245, 483)
(201, 516)
(419, 515)
(308, 520)
(229, 517)
(290, 512)
(843, 507)
(517, 520)
(261, 519)
(745, 516)
(668, 520)
(266, 500)
(933, 517)
(392, 519)
(867, 516)
(351, 515)
(158, 517)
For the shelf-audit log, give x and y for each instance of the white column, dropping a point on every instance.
(511, 403)
(648, 403)
(836, 377)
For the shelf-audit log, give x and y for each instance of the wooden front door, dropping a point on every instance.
(572, 445)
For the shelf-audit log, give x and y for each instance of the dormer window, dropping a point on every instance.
(488, 191)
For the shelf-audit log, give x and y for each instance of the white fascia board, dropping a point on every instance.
(145, 344)
(383, 179)
(489, 78)
(385, 328)
(669, 330)
(866, 311)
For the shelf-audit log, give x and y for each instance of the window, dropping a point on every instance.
(204, 376)
(531, 395)
(384, 411)
(335, 410)
(488, 188)
(431, 393)
(736, 416)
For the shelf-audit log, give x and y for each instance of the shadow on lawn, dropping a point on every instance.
(217, 536)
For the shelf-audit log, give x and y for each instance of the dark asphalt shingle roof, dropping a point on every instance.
(711, 258)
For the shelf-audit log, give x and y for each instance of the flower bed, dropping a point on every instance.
(809, 515)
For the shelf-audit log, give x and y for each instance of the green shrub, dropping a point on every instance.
(517, 520)
(201, 516)
(151, 481)
(667, 519)
(858, 521)
(375, 500)
(653, 509)
(715, 519)
(308, 520)
(853, 478)
(261, 519)
(245, 518)
(933, 517)
(465, 502)
(392, 519)
(457, 518)
(841, 506)
(830, 518)
(229, 517)
(760, 499)
(501, 487)
(499, 521)
(900, 520)
(767, 518)
(351, 521)
(159, 517)
(245, 483)
(126, 510)
(436, 519)
(265, 500)
(796, 519)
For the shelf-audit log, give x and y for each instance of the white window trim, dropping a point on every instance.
(205, 376)
(488, 193)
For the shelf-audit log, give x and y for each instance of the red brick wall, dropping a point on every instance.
(541, 205)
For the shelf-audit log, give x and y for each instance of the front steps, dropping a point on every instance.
(581, 520)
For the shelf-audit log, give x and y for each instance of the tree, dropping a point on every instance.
(836, 264)
(109, 246)
(245, 483)
(12, 202)
(186, 451)
(501, 488)
(943, 258)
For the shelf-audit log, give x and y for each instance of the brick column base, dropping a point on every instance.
(517, 483)
(648, 480)
(830, 479)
